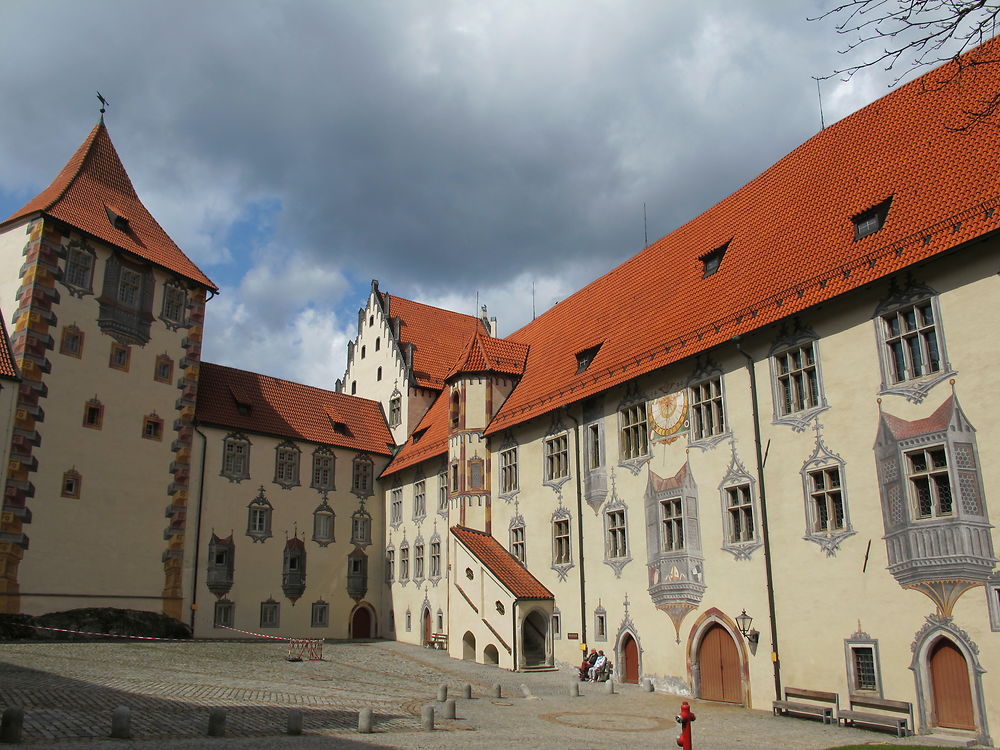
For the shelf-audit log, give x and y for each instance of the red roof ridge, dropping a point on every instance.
(485, 353)
(936, 422)
(515, 577)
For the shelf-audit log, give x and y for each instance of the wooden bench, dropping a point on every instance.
(880, 720)
(438, 640)
(790, 706)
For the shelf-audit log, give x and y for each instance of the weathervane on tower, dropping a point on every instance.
(104, 104)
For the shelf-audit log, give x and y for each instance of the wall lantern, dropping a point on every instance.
(743, 622)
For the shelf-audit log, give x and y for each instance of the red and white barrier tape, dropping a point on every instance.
(112, 635)
(272, 637)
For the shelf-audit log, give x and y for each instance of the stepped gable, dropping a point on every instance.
(251, 402)
(502, 564)
(428, 440)
(91, 190)
(7, 367)
(786, 240)
(484, 353)
(438, 337)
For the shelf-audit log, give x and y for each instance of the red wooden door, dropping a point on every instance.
(630, 659)
(361, 625)
(427, 625)
(719, 665)
(952, 692)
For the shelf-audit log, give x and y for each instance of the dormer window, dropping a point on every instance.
(117, 220)
(711, 261)
(872, 220)
(585, 357)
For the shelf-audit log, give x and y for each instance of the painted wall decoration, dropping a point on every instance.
(668, 415)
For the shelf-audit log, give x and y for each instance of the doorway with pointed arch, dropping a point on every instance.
(716, 660)
(425, 626)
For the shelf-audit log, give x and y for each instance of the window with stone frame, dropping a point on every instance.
(518, 543)
(633, 432)
(740, 525)
(435, 571)
(163, 369)
(617, 537)
(419, 499)
(324, 462)
(361, 527)
(362, 471)
(224, 615)
(796, 380)
(929, 482)
(395, 410)
(79, 273)
(826, 501)
(455, 409)
(126, 301)
(508, 470)
(72, 483)
(269, 614)
(404, 563)
(390, 565)
(706, 409)
(235, 457)
(455, 477)
(863, 671)
(672, 524)
(396, 506)
(556, 624)
(71, 341)
(418, 562)
(556, 450)
(286, 465)
(93, 414)
(323, 523)
(443, 493)
(561, 542)
(120, 357)
(320, 615)
(594, 458)
(152, 427)
(259, 517)
(600, 624)
(175, 303)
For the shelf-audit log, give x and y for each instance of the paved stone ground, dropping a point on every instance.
(69, 690)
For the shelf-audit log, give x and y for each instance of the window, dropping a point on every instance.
(259, 517)
(930, 484)
(320, 617)
(455, 409)
(396, 506)
(418, 562)
(93, 414)
(600, 625)
(224, 614)
(594, 460)
(129, 287)
(354, 387)
(797, 379)
(476, 473)
(556, 625)
(174, 305)
(361, 476)
(390, 565)
(71, 342)
(826, 500)
(378, 373)
(454, 477)
(435, 560)
(870, 221)
(518, 547)
(163, 370)
(79, 268)
(560, 538)
(617, 541)
(864, 668)
(419, 500)
(126, 301)
(219, 571)
(395, 411)
(707, 416)
(324, 462)
(556, 457)
(863, 674)
(286, 465)
(378, 343)
(152, 427)
(911, 345)
(740, 514)
(585, 357)
(120, 356)
(508, 470)
(634, 435)
(404, 564)
(235, 458)
(362, 352)
(361, 527)
(443, 493)
(71, 483)
(712, 260)
(671, 525)
(323, 518)
(269, 614)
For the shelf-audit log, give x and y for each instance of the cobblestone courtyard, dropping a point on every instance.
(69, 691)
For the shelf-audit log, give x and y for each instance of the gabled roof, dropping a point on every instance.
(251, 402)
(428, 440)
(484, 353)
(8, 368)
(789, 242)
(936, 422)
(92, 190)
(502, 564)
(438, 337)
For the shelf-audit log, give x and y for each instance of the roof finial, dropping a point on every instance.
(104, 105)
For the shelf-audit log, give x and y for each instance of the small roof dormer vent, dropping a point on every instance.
(585, 357)
(711, 261)
(118, 221)
(871, 220)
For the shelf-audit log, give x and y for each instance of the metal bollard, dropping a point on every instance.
(217, 722)
(467, 691)
(121, 723)
(293, 724)
(365, 721)
(684, 718)
(427, 718)
(574, 689)
(12, 724)
(497, 690)
(609, 687)
(442, 693)
(449, 708)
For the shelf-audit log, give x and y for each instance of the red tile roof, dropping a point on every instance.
(290, 410)
(94, 181)
(438, 337)
(936, 422)
(8, 368)
(484, 353)
(502, 564)
(790, 242)
(428, 440)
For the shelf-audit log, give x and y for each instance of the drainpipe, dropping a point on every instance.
(197, 533)
(579, 525)
(765, 533)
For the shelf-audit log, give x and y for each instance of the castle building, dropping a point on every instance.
(755, 455)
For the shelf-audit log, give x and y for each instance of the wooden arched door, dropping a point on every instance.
(950, 683)
(719, 667)
(427, 626)
(361, 623)
(630, 659)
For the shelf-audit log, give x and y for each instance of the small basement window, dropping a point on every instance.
(585, 357)
(871, 220)
(711, 261)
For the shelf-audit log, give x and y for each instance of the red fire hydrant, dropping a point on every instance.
(684, 718)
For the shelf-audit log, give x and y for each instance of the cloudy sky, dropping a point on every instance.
(296, 150)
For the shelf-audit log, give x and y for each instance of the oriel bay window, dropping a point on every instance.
(671, 525)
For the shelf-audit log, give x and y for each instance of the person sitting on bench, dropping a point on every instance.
(598, 665)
